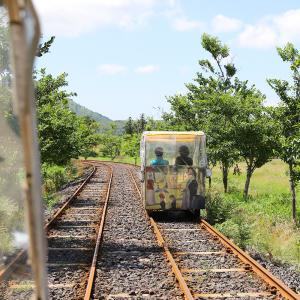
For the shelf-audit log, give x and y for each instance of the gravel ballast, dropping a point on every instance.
(131, 264)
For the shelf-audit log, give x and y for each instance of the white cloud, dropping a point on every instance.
(272, 30)
(72, 18)
(288, 25)
(222, 23)
(111, 69)
(183, 24)
(146, 69)
(258, 36)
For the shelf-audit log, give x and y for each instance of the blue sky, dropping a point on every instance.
(124, 57)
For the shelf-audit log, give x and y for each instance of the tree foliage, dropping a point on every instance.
(45, 47)
(230, 112)
(110, 145)
(135, 126)
(288, 116)
(62, 134)
(255, 133)
(204, 106)
(131, 146)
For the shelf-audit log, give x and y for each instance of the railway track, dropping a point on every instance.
(209, 266)
(92, 256)
(74, 238)
(74, 234)
(131, 264)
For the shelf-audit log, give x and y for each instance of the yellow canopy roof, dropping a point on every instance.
(179, 136)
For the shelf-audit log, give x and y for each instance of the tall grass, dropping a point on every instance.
(54, 177)
(264, 220)
(11, 218)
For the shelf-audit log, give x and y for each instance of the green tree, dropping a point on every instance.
(135, 126)
(157, 125)
(110, 145)
(141, 124)
(62, 134)
(202, 109)
(131, 146)
(129, 126)
(288, 115)
(255, 133)
(45, 47)
(87, 136)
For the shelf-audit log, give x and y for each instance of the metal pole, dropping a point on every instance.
(25, 34)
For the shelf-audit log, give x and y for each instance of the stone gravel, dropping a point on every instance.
(201, 271)
(131, 264)
(71, 247)
(283, 271)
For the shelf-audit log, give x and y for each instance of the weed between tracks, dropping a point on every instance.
(22, 286)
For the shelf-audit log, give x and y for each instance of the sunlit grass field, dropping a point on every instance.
(272, 178)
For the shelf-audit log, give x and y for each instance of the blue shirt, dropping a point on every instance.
(159, 162)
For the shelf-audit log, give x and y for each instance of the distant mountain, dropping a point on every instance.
(102, 120)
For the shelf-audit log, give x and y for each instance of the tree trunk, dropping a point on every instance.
(292, 186)
(247, 183)
(225, 176)
(209, 182)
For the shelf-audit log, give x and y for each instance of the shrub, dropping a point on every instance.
(236, 229)
(53, 177)
(218, 207)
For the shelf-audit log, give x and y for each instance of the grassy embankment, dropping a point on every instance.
(263, 221)
(54, 177)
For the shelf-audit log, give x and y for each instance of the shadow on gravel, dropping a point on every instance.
(129, 256)
(129, 247)
(174, 216)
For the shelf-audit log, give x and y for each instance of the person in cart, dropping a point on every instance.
(183, 158)
(159, 160)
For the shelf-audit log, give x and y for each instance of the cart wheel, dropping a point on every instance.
(196, 214)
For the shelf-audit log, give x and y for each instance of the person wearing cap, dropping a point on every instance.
(183, 158)
(159, 161)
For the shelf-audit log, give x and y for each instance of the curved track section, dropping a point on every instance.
(74, 238)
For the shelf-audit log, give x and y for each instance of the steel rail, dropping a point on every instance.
(175, 269)
(67, 203)
(91, 277)
(276, 284)
(22, 255)
(182, 283)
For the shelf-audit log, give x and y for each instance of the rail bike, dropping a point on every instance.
(174, 168)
